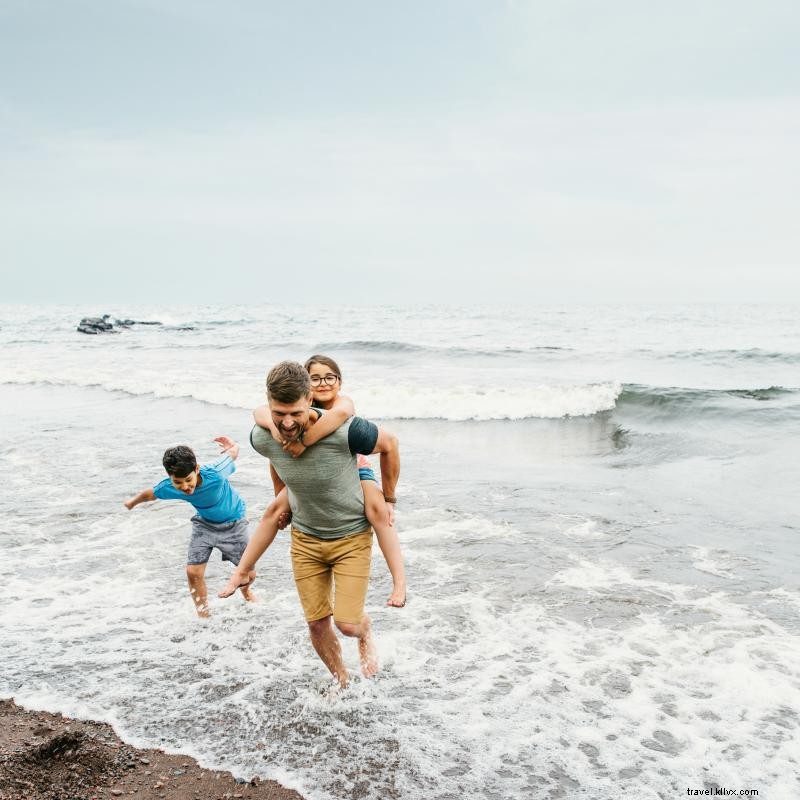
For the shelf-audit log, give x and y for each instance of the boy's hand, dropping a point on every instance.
(284, 519)
(227, 444)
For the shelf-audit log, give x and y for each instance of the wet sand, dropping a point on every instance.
(47, 756)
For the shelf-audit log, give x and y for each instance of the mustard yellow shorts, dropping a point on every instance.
(332, 575)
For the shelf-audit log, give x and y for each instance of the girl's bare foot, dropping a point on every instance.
(238, 580)
(397, 599)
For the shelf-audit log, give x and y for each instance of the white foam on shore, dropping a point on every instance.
(487, 692)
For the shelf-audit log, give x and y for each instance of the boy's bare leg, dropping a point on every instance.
(388, 541)
(195, 573)
(326, 643)
(367, 652)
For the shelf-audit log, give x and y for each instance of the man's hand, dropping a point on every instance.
(129, 504)
(227, 445)
(390, 512)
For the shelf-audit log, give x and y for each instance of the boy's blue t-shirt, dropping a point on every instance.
(214, 498)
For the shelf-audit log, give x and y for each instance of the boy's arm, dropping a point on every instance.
(228, 446)
(145, 496)
(326, 424)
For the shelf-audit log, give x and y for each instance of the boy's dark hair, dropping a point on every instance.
(179, 461)
(288, 382)
(326, 362)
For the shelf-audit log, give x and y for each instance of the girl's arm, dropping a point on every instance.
(333, 418)
(327, 423)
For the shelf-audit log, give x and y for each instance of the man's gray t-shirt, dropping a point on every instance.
(325, 492)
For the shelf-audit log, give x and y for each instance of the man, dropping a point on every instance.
(331, 538)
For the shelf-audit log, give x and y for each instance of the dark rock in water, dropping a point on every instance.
(95, 325)
(108, 324)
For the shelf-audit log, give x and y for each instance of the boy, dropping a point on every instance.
(220, 520)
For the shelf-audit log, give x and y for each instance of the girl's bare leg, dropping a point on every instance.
(378, 516)
(261, 539)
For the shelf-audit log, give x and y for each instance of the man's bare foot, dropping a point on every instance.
(204, 612)
(367, 652)
(343, 680)
(397, 599)
(238, 580)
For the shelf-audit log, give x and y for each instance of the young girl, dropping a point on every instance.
(326, 382)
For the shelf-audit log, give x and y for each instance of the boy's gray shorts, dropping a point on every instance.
(230, 538)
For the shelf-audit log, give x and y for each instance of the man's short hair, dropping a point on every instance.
(179, 461)
(288, 382)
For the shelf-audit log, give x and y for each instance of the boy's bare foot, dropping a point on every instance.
(367, 652)
(397, 599)
(246, 592)
(238, 580)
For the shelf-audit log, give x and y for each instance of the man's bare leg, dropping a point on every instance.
(326, 643)
(367, 652)
(195, 573)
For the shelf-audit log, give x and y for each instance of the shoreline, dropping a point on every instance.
(47, 756)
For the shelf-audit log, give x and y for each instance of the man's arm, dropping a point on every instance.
(145, 496)
(277, 483)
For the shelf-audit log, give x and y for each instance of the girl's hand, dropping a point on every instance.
(295, 448)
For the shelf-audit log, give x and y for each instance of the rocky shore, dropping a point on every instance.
(47, 756)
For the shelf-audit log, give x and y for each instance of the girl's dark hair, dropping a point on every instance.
(179, 461)
(328, 362)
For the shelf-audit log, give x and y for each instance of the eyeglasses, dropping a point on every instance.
(329, 379)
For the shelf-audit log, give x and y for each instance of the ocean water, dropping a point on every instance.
(597, 507)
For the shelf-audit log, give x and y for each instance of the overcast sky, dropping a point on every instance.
(374, 151)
